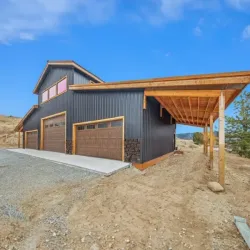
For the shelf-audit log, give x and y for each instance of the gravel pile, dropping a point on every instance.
(22, 175)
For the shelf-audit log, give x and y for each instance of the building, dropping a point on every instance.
(134, 121)
(108, 124)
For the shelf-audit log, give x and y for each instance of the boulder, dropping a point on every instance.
(215, 187)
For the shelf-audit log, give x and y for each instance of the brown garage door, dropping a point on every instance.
(54, 134)
(32, 139)
(102, 140)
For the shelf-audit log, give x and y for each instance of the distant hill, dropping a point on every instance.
(189, 136)
(8, 138)
(185, 136)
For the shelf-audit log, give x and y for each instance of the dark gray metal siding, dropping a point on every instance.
(158, 134)
(80, 78)
(90, 106)
(58, 104)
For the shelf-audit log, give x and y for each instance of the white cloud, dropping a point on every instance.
(246, 33)
(27, 19)
(161, 11)
(197, 31)
(239, 4)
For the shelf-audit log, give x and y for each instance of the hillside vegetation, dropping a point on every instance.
(8, 138)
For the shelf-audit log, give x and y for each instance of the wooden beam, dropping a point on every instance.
(19, 140)
(204, 140)
(161, 109)
(166, 82)
(165, 106)
(190, 107)
(198, 112)
(222, 139)
(190, 124)
(145, 102)
(183, 93)
(211, 142)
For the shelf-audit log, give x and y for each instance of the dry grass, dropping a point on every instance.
(8, 138)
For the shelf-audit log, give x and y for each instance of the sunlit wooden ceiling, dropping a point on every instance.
(192, 107)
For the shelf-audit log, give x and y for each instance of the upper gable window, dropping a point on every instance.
(52, 92)
(55, 90)
(45, 96)
(62, 86)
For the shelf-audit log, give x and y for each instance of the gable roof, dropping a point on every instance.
(20, 124)
(64, 63)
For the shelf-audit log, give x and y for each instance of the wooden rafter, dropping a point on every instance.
(164, 105)
(183, 109)
(171, 99)
(190, 106)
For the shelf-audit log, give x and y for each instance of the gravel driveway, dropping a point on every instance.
(22, 175)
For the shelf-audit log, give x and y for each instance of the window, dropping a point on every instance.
(51, 125)
(45, 96)
(57, 89)
(80, 128)
(91, 126)
(52, 92)
(62, 86)
(103, 125)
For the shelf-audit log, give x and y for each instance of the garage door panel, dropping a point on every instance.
(54, 134)
(99, 142)
(32, 140)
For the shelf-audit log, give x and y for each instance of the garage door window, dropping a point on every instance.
(103, 125)
(92, 126)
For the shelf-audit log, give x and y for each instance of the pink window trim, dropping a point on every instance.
(45, 96)
(62, 86)
(52, 92)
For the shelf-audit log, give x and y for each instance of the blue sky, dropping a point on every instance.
(119, 40)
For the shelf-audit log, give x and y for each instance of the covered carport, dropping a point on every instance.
(197, 100)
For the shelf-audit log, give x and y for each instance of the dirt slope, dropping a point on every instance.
(168, 206)
(8, 138)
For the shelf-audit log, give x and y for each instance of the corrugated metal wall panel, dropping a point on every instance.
(90, 106)
(58, 104)
(158, 134)
(80, 78)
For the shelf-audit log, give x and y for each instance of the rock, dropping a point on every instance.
(127, 240)
(83, 240)
(54, 234)
(215, 187)
(94, 247)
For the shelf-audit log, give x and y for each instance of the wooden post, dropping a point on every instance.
(145, 102)
(204, 140)
(222, 139)
(211, 142)
(19, 139)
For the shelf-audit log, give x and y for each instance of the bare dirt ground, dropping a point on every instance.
(168, 206)
(8, 138)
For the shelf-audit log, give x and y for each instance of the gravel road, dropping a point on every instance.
(22, 175)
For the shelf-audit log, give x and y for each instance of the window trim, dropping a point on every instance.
(55, 84)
